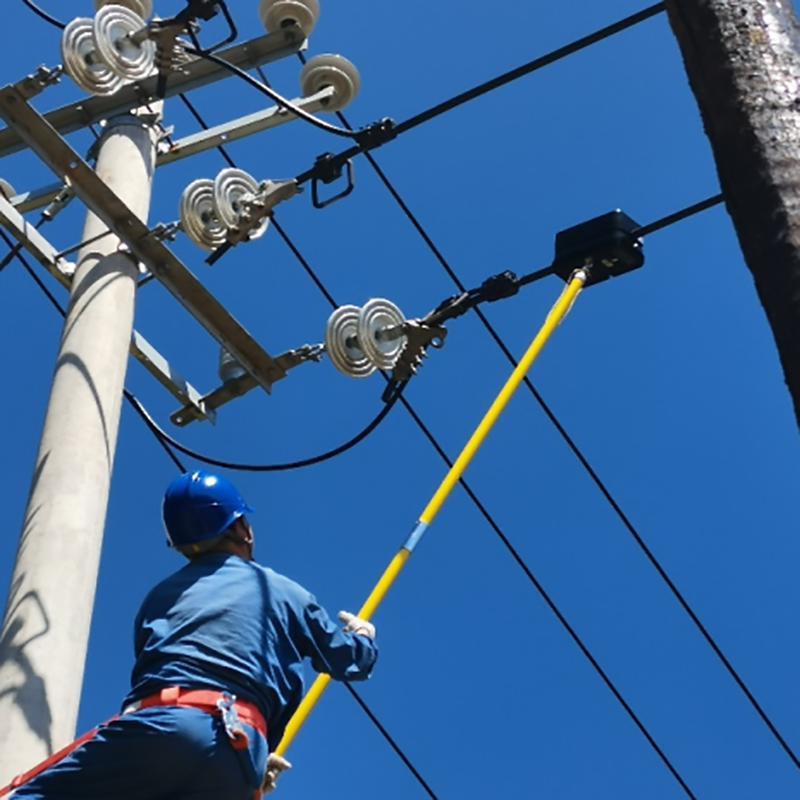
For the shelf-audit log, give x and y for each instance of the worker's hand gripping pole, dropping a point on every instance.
(556, 315)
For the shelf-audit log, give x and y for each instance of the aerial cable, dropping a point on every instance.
(558, 312)
(435, 111)
(384, 130)
(165, 442)
(669, 220)
(165, 439)
(289, 465)
(272, 94)
(62, 311)
(678, 216)
(554, 318)
(532, 66)
(657, 225)
(44, 15)
(469, 491)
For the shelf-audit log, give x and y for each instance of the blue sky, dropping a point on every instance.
(667, 379)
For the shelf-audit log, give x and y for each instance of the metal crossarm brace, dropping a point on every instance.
(200, 142)
(36, 244)
(45, 141)
(239, 128)
(190, 75)
(236, 387)
(140, 348)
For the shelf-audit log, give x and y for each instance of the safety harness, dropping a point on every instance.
(234, 713)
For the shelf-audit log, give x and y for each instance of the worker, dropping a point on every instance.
(218, 673)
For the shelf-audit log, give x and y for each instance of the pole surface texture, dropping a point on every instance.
(743, 62)
(48, 614)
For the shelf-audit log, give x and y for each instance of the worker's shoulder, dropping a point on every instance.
(285, 585)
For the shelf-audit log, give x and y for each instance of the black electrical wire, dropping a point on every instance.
(271, 93)
(51, 297)
(164, 441)
(519, 559)
(516, 555)
(12, 254)
(44, 15)
(196, 114)
(366, 709)
(408, 124)
(289, 465)
(408, 407)
(660, 224)
(550, 602)
(655, 226)
(684, 213)
(531, 66)
(491, 85)
(39, 282)
(308, 269)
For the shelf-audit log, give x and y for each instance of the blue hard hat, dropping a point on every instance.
(200, 505)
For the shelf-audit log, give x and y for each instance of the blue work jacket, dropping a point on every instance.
(225, 623)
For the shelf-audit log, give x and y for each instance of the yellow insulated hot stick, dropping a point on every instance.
(556, 315)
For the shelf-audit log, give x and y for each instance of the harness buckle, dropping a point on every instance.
(230, 719)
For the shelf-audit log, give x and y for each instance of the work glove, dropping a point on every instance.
(354, 624)
(275, 765)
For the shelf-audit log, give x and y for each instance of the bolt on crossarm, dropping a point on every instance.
(554, 318)
(48, 614)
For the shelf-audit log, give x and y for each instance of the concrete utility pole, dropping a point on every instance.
(46, 626)
(743, 62)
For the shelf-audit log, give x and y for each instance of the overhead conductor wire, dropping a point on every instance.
(167, 440)
(554, 318)
(644, 230)
(464, 97)
(427, 433)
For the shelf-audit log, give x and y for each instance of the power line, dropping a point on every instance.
(531, 66)
(272, 94)
(415, 121)
(43, 14)
(360, 700)
(678, 216)
(657, 225)
(289, 465)
(307, 267)
(617, 694)
(166, 441)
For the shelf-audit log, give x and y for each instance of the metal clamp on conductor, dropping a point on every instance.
(328, 167)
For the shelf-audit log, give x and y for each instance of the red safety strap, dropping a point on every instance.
(53, 759)
(206, 700)
(202, 699)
